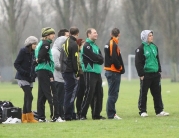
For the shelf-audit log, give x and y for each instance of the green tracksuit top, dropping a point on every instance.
(43, 53)
(150, 53)
(90, 57)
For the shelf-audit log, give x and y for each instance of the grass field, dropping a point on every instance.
(131, 126)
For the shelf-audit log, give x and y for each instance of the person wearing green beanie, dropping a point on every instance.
(46, 83)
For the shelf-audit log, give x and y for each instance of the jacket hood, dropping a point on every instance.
(144, 35)
(59, 41)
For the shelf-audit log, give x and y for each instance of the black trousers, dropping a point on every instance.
(70, 86)
(60, 95)
(80, 93)
(93, 94)
(97, 104)
(46, 91)
(151, 81)
(28, 97)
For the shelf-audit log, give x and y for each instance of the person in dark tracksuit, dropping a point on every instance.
(70, 69)
(114, 68)
(91, 61)
(46, 83)
(26, 76)
(149, 70)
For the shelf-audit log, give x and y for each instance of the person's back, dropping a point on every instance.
(70, 72)
(71, 50)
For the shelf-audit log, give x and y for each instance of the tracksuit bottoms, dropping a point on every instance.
(151, 81)
(46, 91)
(93, 94)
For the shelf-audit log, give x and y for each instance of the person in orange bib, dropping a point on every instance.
(114, 67)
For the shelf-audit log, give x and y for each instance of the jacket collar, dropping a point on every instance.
(27, 50)
(73, 38)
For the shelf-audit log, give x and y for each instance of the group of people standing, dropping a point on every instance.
(71, 70)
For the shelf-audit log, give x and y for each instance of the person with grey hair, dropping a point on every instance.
(149, 71)
(26, 76)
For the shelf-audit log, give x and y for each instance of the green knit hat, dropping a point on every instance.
(47, 31)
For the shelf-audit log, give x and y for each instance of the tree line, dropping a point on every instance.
(21, 18)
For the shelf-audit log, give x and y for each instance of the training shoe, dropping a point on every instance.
(60, 120)
(43, 120)
(163, 114)
(8, 120)
(144, 114)
(117, 117)
(15, 121)
(99, 118)
(83, 118)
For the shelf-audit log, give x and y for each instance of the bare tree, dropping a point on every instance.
(93, 13)
(168, 15)
(15, 13)
(65, 12)
(138, 16)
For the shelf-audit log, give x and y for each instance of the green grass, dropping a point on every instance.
(131, 126)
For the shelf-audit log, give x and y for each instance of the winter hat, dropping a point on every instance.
(47, 31)
(31, 40)
(144, 35)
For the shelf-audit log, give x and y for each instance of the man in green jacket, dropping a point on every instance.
(91, 61)
(149, 71)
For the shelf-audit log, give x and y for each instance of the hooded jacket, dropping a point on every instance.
(146, 56)
(56, 57)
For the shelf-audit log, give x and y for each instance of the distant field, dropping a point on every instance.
(131, 126)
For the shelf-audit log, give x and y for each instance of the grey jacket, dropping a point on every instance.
(56, 56)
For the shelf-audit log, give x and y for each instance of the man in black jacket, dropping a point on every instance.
(114, 68)
(70, 72)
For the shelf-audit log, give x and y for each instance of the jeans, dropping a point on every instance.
(114, 80)
(70, 87)
(46, 91)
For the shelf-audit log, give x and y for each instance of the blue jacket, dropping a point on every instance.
(24, 65)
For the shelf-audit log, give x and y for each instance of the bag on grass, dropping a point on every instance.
(5, 104)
